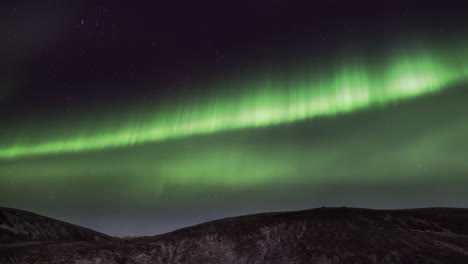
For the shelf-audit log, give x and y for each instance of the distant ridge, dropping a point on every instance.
(323, 235)
(18, 225)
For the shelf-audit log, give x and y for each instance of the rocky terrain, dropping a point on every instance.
(323, 235)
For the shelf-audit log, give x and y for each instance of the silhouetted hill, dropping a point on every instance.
(20, 226)
(323, 235)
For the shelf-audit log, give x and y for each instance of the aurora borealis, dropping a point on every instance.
(126, 121)
(352, 88)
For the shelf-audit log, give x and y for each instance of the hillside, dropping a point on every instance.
(21, 226)
(322, 235)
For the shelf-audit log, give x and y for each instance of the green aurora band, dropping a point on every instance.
(347, 86)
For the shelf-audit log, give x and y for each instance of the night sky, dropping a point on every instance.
(140, 117)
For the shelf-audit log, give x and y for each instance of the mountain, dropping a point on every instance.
(322, 235)
(21, 226)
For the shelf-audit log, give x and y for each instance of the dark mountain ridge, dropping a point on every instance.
(322, 235)
(20, 226)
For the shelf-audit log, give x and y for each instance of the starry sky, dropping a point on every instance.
(140, 117)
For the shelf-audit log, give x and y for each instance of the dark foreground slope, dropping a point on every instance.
(324, 235)
(21, 226)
